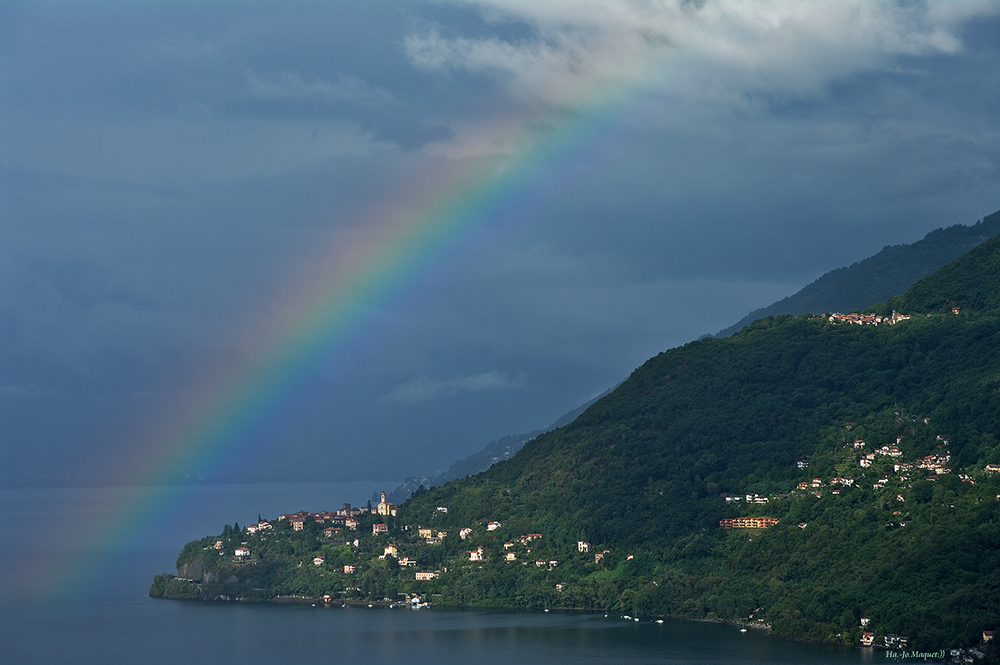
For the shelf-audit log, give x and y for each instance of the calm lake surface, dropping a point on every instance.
(73, 589)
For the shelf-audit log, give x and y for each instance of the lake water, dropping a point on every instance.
(73, 590)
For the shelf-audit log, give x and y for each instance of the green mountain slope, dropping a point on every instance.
(969, 283)
(858, 286)
(877, 278)
(645, 468)
(874, 451)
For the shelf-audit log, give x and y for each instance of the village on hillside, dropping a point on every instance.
(371, 556)
(362, 556)
(871, 319)
(860, 319)
(349, 525)
(886, 467)
(892, 476)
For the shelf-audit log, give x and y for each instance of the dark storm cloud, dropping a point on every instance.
(167, 170)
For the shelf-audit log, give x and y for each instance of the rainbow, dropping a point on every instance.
(328, 304)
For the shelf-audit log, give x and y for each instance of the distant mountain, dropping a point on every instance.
(877, 278)
(496, 451)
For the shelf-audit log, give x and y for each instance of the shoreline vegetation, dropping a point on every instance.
(835, 478)
(385, 604)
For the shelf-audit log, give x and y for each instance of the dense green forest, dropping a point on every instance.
(872, 445)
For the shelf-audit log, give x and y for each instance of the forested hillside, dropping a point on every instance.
(858, 286)
(872, 450)
(648, 470)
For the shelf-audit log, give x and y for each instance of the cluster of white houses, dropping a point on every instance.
(346, 516)
(900, 642)
(817, 483)
(870, 319)
(510, 553)
(261, 525)
(431, 536)
(478, 554)
(750, 498)
(936, 463)
(518, 549)
(337, 518)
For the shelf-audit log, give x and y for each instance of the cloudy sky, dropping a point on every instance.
(360, 240)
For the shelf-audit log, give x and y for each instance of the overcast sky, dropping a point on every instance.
(177, 175)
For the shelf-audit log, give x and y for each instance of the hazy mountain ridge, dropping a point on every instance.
(879, 277)
(495, 451)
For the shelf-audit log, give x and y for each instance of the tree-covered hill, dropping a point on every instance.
(875, 279)
(968, 283)
(648, 467)
(858, 286)
(873, 449)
